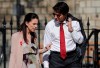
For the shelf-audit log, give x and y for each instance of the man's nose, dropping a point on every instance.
(55, 16)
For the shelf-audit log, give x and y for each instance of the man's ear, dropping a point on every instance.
(66, 17)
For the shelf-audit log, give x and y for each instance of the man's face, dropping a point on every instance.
(59, 17)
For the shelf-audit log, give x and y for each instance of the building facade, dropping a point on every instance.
(82, 9)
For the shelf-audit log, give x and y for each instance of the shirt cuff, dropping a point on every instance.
(46, 64)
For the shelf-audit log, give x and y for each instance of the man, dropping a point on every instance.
(63, 33)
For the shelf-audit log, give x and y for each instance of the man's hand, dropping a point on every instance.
(70, 29)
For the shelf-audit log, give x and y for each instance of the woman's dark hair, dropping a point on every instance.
(28, 18)
(33, 37)
(61, 7)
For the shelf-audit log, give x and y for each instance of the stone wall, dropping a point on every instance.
(80, 8)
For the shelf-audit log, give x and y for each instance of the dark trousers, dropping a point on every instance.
(71, 61)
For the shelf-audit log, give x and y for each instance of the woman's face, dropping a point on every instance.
(32, 25)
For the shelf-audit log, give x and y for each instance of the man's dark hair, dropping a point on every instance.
(61, 7)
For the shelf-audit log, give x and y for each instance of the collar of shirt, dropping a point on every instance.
(58, 23)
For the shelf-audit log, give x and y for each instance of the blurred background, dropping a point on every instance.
(12, 13)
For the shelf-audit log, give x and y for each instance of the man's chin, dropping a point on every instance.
(57, 20)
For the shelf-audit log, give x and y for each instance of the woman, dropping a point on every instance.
(24, 52)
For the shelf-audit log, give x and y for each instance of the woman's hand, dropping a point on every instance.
(48, 46)
(45, 49)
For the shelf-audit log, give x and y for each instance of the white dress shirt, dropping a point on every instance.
(52, 35)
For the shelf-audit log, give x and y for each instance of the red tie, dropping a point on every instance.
(62, 42)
